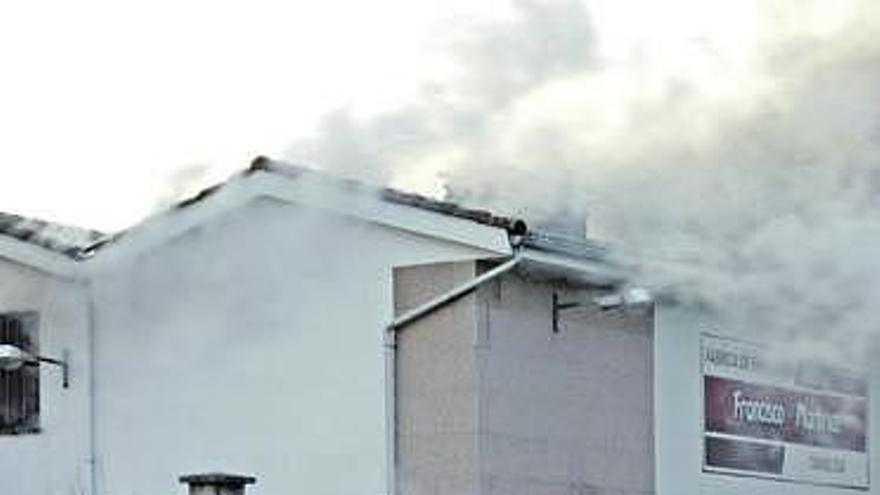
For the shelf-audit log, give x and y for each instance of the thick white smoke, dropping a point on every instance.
(768, 209)
(747, 179)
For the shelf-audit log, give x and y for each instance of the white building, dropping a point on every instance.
(247, 330)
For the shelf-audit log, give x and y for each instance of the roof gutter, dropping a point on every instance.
(391, 332)
(596, 271)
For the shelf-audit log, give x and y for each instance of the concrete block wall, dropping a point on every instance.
(566, 413)
(436, 385)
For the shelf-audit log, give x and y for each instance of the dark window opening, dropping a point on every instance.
(20, 388)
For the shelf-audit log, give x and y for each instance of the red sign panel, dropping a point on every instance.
(773, 413)
(767, 415)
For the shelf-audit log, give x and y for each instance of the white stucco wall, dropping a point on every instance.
(56, 460)
(678, 421)
(252, 344)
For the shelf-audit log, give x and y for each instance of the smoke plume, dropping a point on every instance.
(748, 181)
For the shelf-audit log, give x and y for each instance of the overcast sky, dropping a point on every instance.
(107, 106)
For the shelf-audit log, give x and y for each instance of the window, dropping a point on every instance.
(20, 389)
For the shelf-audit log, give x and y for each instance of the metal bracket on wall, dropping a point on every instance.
(561, 306)
(63, 363)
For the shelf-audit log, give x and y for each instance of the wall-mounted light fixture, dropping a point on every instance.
(626, 297)
(13, 357)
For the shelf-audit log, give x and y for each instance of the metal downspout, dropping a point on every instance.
(390, 340)
(93, 459)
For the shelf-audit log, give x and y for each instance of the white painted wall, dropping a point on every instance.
(252, 343)
(678, 420)
(56, 460)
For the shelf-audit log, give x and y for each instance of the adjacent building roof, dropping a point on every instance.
(63, 239)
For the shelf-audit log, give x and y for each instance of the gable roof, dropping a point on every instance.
(514, 226)
(482, 229)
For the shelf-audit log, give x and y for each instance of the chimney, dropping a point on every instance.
(217, 483)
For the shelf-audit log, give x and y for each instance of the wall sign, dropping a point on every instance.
(773, 415)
